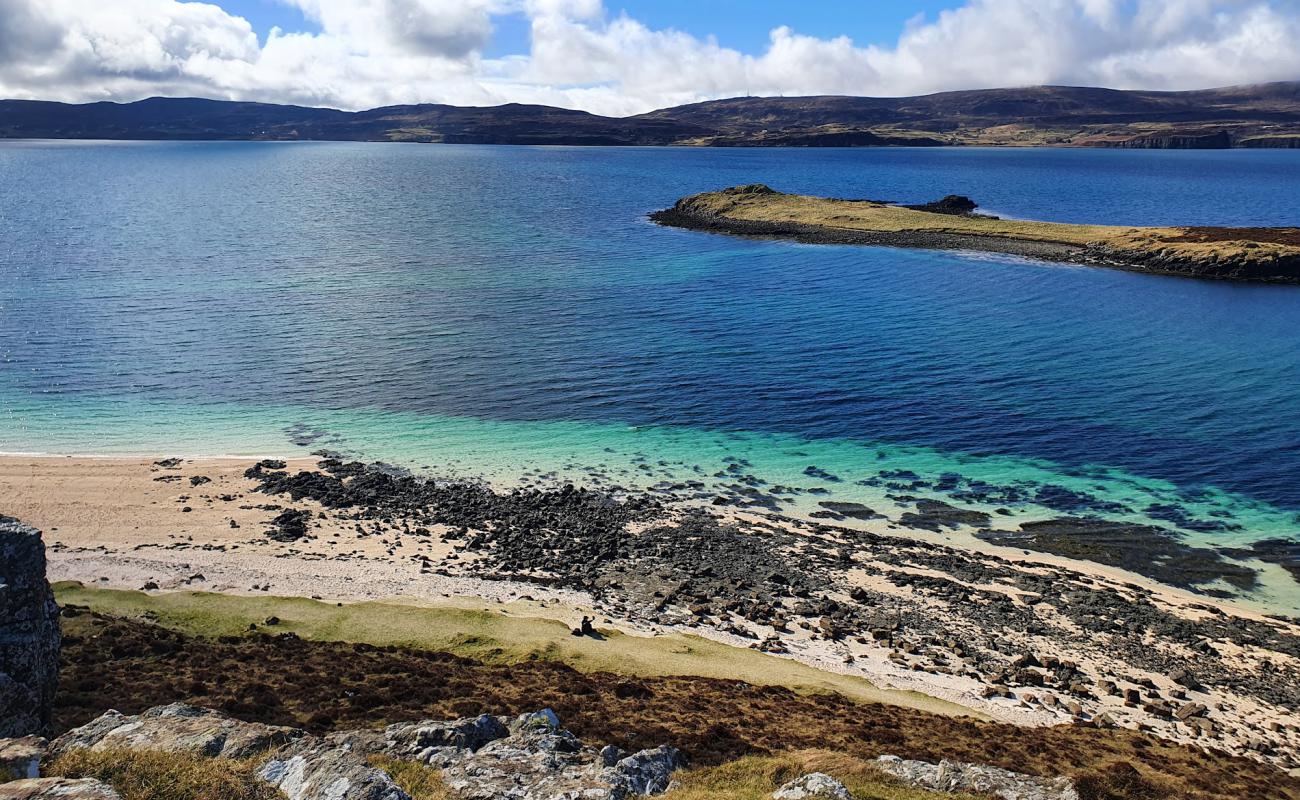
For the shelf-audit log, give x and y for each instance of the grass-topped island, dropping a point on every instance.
(1246, 254)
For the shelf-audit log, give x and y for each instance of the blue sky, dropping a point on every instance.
(740, 24)
(622, 57)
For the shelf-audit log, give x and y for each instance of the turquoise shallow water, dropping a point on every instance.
(509, 313)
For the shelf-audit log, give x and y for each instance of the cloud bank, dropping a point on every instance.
(370, 53)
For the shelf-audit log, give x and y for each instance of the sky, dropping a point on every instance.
(623, 57)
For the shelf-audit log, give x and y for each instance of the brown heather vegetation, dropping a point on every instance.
(325, 686)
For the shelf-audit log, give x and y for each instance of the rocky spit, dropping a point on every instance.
(1237, 265)
(1036, 642)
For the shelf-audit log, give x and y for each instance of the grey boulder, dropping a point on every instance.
(312, 769)
(176, 728)
(21, 758)
(813, 786)
(541, 761)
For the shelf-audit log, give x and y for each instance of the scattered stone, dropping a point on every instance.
(289, 525)
(1189, 710)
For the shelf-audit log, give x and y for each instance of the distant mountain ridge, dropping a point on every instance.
(1266, 115)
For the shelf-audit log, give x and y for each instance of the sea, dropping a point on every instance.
(510, 314)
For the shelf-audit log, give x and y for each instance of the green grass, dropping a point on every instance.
(486, 633)
(420, 781)
(152, 775)
(756, 777)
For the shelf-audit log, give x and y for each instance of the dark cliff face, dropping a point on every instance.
(29, 633)
(1218, 140)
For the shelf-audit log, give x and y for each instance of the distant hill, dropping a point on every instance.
(1266, 115)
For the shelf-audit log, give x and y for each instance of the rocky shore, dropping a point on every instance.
(1022, 641)
(1269, 255)
(1052, 643)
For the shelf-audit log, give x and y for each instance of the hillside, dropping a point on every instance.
(1252, 116)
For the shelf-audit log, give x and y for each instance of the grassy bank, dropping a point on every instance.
(490, 634)
(323, 686)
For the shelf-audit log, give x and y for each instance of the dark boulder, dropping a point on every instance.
(29, 633)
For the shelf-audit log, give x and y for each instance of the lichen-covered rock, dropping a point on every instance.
(58, 789)
(176, 728)
(541, 761)
(813, 786)
(644, 773)
(21, 758)
(312, 769)
(953, 776)
(29, 633)
(430, 742)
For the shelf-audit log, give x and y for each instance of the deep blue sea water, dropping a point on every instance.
(505, 311)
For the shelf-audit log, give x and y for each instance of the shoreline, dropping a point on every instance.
(914, 614)
(945, 536)
(1254, 255)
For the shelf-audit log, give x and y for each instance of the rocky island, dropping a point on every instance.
(1243, 254)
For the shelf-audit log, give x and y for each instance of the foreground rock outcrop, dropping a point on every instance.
(484, 758)
(29, 633)
(58, 789)
(175, 728)
(952, 776)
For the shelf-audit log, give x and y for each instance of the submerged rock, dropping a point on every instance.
(29, 633)
(1144, 549)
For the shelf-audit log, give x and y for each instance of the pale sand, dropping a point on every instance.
(111, 522)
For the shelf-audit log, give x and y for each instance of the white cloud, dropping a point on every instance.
(378, 52)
